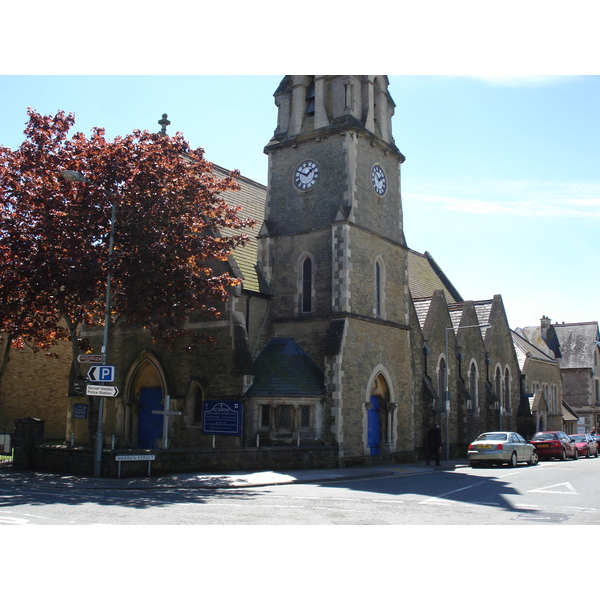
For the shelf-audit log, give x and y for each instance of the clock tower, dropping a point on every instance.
(333, 250)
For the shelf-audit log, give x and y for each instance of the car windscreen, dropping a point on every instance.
(544, 436)
(492, 436)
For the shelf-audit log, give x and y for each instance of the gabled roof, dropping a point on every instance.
(425, 277)
(284, 369)
(573, 344)
(568, 413)
(524, 349)
(251, 198)
(534, 336)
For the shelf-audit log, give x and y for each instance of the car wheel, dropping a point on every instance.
(513, 460)
(534, 459)
(563, 455)
(576, 455)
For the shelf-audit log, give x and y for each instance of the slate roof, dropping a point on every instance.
(524, 348)
(422, 308)
(577, 343)
(572, 344)
(425, 277)
(284, 369)
(483, 309)
(456, 311)
(252, 198)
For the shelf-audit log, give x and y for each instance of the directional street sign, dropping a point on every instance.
(108, 391)
(90, 359)
(101, 374)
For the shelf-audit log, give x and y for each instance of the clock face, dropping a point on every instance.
(378, 180)
(306, 175)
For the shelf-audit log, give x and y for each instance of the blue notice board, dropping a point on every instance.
(222, 417)
(80, 411)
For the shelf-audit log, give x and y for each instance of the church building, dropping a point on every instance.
(339, 336)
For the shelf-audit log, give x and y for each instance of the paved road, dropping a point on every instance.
(550, 493)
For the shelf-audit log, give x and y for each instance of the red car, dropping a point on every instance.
(586, 445)
(554, 444)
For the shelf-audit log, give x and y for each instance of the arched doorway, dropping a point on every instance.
(379, 417)
(145, 393)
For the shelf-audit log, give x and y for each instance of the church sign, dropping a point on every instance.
(222, 417)
(80, 411)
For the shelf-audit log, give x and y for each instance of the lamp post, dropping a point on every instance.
(78, 177)
(446, 391)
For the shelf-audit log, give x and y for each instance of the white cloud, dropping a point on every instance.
(511, 198)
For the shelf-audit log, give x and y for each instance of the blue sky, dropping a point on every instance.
(501, 181)
(496, 113)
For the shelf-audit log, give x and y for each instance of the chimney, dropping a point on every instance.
(545, 325)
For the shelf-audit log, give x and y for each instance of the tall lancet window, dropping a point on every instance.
(379, 274)
(307, 285)
(378, 289)
(310, 98)
(473, 386)
(442, 375)
(507, 406)
(498, 381)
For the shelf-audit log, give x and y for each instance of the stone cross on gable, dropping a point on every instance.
(166, 414)
(163, 123)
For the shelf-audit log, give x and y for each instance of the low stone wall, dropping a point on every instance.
(80, 461)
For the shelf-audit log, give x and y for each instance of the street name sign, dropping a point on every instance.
(90, 359)
(101, 373)
(108, 391)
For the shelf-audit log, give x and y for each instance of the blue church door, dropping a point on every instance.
(150, 427)
(373, 426)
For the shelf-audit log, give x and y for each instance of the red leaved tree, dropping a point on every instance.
(168, 253)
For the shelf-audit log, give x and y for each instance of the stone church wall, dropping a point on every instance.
(368, 350)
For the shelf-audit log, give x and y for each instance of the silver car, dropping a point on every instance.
(499, 447)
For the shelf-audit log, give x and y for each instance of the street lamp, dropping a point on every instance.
(78, 177)
(446, 391)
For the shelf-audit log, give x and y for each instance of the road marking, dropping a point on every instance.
(549, 489)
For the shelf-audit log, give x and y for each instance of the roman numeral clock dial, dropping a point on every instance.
(378, 180)
(306, 175)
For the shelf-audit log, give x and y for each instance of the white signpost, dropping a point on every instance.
(93, 359)
(108, 391)
(101, 373)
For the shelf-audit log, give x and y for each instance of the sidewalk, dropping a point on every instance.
(238, 479)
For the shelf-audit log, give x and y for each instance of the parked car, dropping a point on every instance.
(586, 445)
(596, 437)
(554, 444)
(499, 447)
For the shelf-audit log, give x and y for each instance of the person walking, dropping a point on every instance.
(434, 444)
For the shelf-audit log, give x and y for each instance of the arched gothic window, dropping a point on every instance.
(473, 385)
(442, 381)
(379, 288)
(498, 386)
(310, 98)
(307, 285)
(507, 405)
(198, 399)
